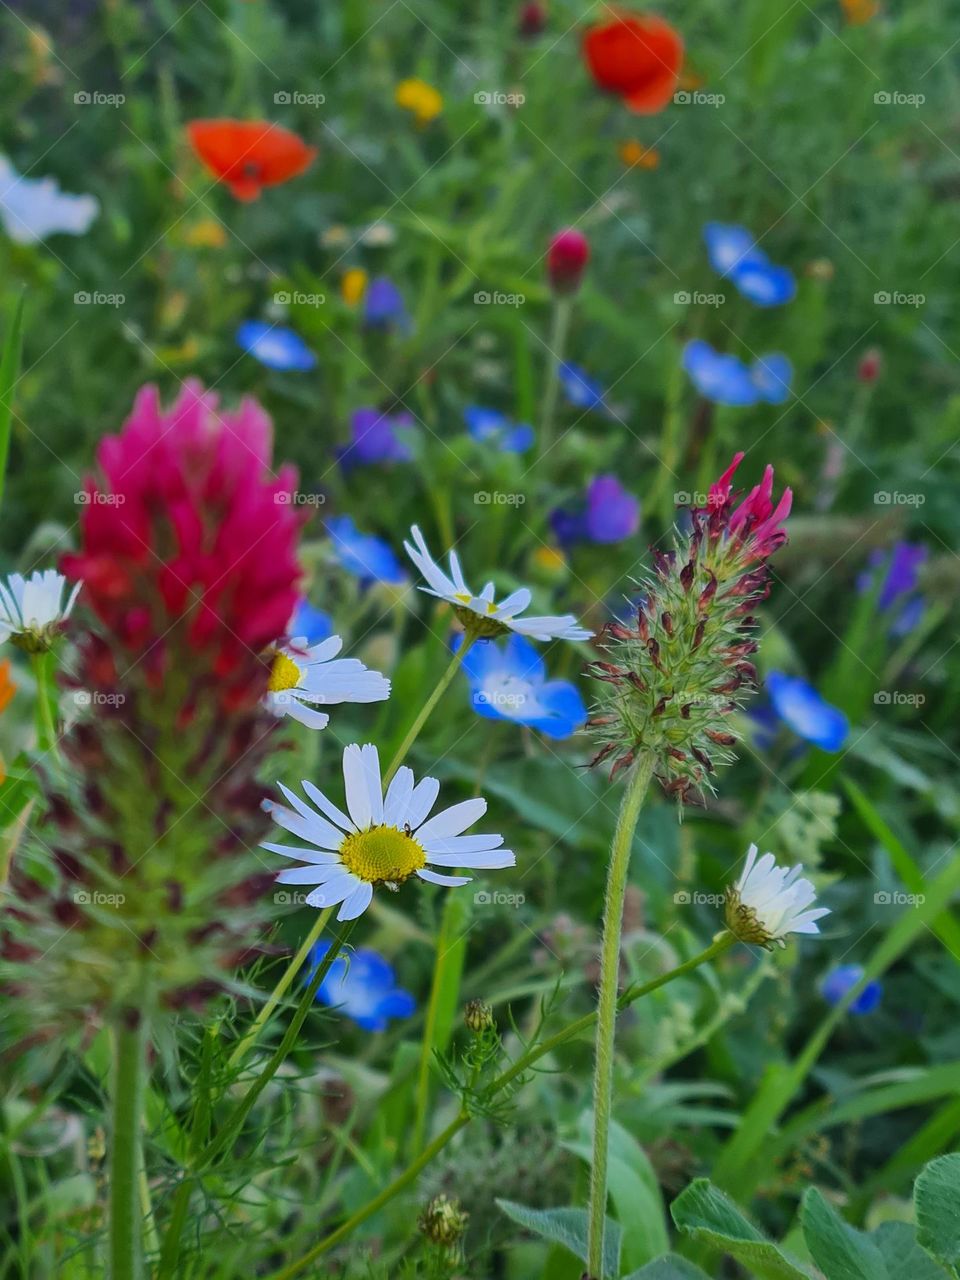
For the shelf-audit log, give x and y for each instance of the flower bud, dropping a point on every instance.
(567, 260)
(443, 1221)
(478, 1016)
(532, 20)
(868, 370)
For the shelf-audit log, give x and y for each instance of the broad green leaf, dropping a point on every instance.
(670, 1267)
(567, 1227)
(897, 1242)
(839, 1250)
(936, 1199)
(711, 1217)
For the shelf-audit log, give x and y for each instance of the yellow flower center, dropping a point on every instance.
(382, 855)
(284, 674)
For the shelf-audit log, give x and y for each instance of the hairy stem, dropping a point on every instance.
(126, 1222)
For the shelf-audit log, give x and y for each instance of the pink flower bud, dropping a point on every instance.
(567, 259)
(868, 370)
(532, 19)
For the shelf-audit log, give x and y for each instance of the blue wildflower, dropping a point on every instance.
(366, 556)
(363, 987)
(609, 514)
(384, 307)
(725, 379)
(489, 426)
(840, 979)
(375, 438)
(275, 347)
(734, 253)
(900, 568)
(310, 624)
(798, 705)
(582, 391)
(508, 682)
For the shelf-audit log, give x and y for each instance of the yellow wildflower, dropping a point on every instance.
(420, 98)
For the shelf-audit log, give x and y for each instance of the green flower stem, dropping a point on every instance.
(721, 943)
(280, 990)
(126, 1221)
(42, 665)
(235, 1121)
(638, 779)
(426, 710)
(446, 951)
(560, 327)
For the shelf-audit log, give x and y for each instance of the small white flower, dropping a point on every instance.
(32, 209)
(481, 615)
(303, 676)
(768, 902)
(32, 609)
(384, 840)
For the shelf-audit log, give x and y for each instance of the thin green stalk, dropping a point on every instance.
(280, 990)
(42, 664)
(631, 803)
(423, 715)
(126, 1223)
(446, 952)
(722, 942)
(560, 327)
(9, 371)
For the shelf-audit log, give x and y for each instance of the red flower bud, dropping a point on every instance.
(532, 19)
(567, 259)
(868, 370)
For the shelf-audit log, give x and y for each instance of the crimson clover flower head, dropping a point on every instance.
(673, 680)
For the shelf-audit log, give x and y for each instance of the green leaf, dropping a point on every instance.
(936, 1197)
(567, 1227)
(897, 1242)
(709, 1216)
(839, 1250)
(670, 1267)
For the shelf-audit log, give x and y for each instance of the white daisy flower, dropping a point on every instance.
(33, 208)
(768, 902)
(32, 609)
(304, 676)
(381, 839)
(481, 615)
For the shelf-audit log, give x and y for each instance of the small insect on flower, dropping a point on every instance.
(637, 56)
(249, 155)
(33, 610)
(380, 840)
(481, 615)
(304, 676)
(768, 902)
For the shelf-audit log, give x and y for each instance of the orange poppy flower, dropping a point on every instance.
(249, 154)
(635, 55)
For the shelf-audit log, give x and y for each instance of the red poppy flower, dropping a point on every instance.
(638, 56)
(249, 154)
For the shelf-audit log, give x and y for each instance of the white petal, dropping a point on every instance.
(371, 766)
(325, 650)
(398, 797)
(334, 891)
(310, 875)
(327, 806)
(357, 902)
(294, 708)
(450, 822)
(422, 800)
(356, 787)
(514, 604)
(434, 877)
(323, 833)
(491, 861)
(290, 821)
(462, 844)
(304, 855)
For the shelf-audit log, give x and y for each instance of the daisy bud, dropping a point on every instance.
(189, 574)
(478, 1016)
(443, 1221)
(672, 684)
(567, 260)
